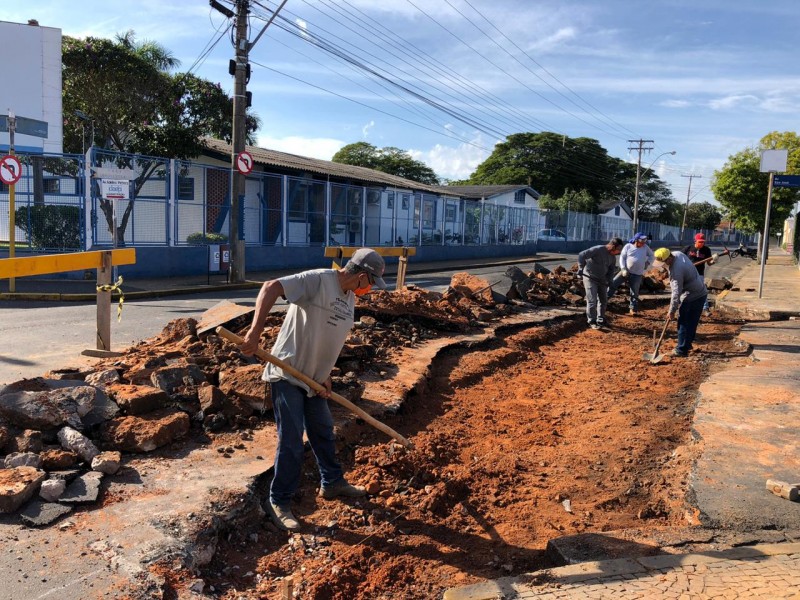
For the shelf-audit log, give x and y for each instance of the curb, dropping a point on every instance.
(199, 289)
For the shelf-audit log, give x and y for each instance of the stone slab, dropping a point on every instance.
(84, 489)
(39, 514)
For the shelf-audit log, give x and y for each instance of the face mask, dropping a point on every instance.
(362, 291)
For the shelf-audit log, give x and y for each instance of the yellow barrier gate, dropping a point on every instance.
(102, 260)
(337, 253)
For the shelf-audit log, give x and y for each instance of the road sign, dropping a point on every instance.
(244, 163)
(10, 169)
(113, 173)
(786, 181)
(115, 189)
(26, 126)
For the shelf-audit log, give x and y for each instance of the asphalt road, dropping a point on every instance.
(41, 336)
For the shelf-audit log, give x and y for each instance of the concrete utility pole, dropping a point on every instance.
(236, 237)
(640, 147)
(686, 208)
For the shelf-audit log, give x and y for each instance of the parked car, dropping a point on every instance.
(551, 235)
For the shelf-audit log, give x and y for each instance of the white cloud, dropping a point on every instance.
(733, 101)
(554, 40)
(322, 148)
(676, 103)
(366, 128)
(453, 162)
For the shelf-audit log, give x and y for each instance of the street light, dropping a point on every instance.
(636, 190)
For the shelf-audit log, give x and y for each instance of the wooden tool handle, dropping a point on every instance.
(661, 339)
(317, 387)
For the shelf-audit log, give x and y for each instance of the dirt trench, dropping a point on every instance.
(541, 433)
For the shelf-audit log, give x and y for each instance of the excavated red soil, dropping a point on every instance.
(549, 432)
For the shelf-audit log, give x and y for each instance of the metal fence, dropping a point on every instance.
(174, 203)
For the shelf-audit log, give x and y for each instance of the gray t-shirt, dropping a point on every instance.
(597, 262)
(686, 283)
(317, 323)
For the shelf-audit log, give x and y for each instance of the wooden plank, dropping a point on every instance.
(348, 251)
(60, 263)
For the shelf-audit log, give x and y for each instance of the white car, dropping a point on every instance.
(551, 235)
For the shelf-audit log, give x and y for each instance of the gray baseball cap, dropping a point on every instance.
(372, 263)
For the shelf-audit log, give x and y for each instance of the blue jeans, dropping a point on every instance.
(294, 412)
(688, 319)
(596, 300)
(634, 283)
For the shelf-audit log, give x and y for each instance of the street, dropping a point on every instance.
(43, 336)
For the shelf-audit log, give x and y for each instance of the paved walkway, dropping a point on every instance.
(749, 432)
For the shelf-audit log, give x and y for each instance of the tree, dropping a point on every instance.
(703, 215)
(551, 163)
(387, 160)
(577, 201)
(742, 189)
(137, 106)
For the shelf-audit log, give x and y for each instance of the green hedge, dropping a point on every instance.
(50, 226)
(199, 238)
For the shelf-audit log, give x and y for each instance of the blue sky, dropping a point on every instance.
(705, 78)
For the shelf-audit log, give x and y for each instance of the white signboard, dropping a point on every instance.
(774, 160)
(115, 189)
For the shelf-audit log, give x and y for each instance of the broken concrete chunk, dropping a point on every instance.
(107, 462)
(17, 486)
(103, 409)
(138, 399)
(540, 269)
(52, 489)
(56, 459)
(84, 489)
(23, 459)
(246, 384)
(36, 410)
(39, 514)
(172, 377)
(718, 284)
(67, 474)
(29, 440)
(211, 398)
(78, 443)
(144, 434)
(102, 378)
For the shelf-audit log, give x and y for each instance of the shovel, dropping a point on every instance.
(263, 354)
(655, 357)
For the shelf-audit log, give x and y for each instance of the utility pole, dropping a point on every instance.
(639, 147)
(686, 208)
(236, 237)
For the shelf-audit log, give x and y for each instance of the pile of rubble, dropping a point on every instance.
(61, 433)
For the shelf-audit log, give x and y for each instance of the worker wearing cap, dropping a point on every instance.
(689, 294)
(596, 266)
(634, 260)
(700, 252)
(317, 322)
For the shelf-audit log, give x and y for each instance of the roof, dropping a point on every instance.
(484, 191)
(274, 158)
(611, 204)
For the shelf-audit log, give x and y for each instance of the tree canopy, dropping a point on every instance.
(387, 160)
(129, 101)
(742, 189)
(703, 215)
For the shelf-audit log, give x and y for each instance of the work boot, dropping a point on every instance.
(282, 517)
(678, 354)
(342, 488)
(631, 312)
(594, 325)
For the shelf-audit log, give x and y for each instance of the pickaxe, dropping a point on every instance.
(726, 252)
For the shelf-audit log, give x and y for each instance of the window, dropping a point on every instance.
(390, 200)
(519, 197)
(185, 188)
(3, 188)
(616, 211)
(450, 213)
(406, 198)
(52, 185)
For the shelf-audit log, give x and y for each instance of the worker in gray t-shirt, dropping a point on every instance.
(317, 322)
(596, 267)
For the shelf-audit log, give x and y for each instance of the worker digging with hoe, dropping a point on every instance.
(689, 294)
(596, 267)
(634, 260)
(317, 322)
(700, 252)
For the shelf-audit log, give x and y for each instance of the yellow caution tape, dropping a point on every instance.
(115, 288)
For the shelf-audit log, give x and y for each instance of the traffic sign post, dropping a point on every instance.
(786, 181)
(10, 169)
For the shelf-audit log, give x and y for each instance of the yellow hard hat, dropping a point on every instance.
(662, 254)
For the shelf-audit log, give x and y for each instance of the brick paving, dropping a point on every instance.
(761, 571)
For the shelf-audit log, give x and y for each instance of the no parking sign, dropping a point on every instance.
(10, 169)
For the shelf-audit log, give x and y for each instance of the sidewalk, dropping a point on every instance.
(75, 290)
(747, 424)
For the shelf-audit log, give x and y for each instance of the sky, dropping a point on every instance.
(446, 80)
